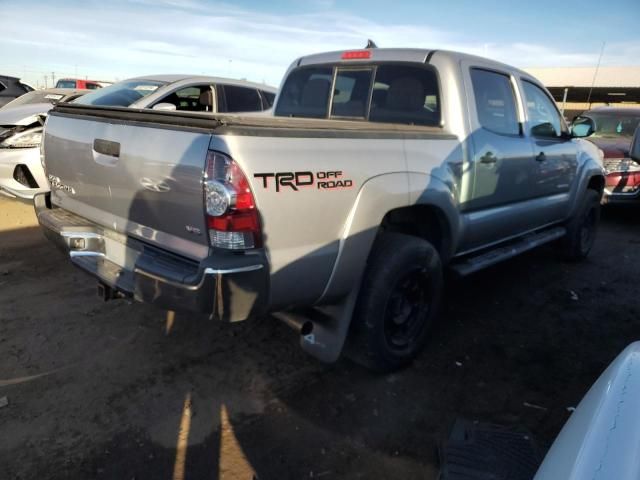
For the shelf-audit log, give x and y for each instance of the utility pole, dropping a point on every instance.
(53, 79)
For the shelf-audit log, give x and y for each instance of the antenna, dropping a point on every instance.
(595, 74)
(371, 44)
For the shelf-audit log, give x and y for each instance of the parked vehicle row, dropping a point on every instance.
(338, 213)
(79, 83)
(21, 172)
(21, 121)
(11, 88)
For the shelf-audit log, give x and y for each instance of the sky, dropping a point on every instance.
(258, 40)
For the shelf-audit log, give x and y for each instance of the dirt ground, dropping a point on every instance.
(127, 391)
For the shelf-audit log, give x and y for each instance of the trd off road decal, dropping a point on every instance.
(295, 180)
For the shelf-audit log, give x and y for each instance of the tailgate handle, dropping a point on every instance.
(106, 147)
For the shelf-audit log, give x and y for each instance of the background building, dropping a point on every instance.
(586, 87)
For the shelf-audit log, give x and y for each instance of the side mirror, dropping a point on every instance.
(164, 107)
(582, 127)
(544, 130)
(634, 151)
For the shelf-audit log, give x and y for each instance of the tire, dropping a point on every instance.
(398, 302)
(581, 230)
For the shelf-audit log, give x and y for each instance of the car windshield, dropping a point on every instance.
(121, 94)
(612, 124)
(66, 84)
(36, 97)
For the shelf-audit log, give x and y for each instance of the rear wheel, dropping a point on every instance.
(582, 229)
(398, 302)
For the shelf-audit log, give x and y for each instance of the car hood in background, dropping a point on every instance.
(602, 437)
(23, 114)
(612, 147)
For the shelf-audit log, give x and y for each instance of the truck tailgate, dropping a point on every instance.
(139, 180)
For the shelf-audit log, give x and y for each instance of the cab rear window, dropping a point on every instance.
(391, 93)
(306, 93)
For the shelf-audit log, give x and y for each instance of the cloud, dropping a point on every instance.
(122, 39)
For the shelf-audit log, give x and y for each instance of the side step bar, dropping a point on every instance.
(485, 259)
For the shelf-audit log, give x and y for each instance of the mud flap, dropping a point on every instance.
(323, 329)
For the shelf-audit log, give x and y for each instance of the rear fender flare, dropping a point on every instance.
(589, 168)
(376, 198)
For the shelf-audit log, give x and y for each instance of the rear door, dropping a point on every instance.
(136, 179)
(502, 162)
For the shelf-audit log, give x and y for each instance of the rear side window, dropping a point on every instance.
(393, 93)
(240, 99)
(93, 86)
(495, 102)
(405, 94)
(269, 98)
(306, 93)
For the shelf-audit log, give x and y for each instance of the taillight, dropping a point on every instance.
(232, 217)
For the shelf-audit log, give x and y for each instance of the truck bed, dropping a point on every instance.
(221, 123)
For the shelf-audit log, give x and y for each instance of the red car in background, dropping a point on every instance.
(612, 130)
(80, 84)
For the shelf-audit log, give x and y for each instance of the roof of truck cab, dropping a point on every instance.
(417, 55)
(174, 78)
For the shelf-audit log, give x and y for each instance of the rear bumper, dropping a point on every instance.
(232, 287)
(622, 187)
(611, 198)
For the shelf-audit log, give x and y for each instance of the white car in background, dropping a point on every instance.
(21, 120)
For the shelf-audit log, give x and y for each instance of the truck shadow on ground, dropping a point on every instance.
(152, 395)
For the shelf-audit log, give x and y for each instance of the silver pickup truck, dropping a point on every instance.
(338, 214)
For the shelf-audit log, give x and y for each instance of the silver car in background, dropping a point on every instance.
(185, 93)
(21, 120)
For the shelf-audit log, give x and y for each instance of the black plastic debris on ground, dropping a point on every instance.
(480, 451)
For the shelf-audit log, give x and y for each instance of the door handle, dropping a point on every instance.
(106, 152)
(541, 157)
(106, 147)
(488, 158)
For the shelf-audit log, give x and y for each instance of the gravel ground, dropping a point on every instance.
(127, 391)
